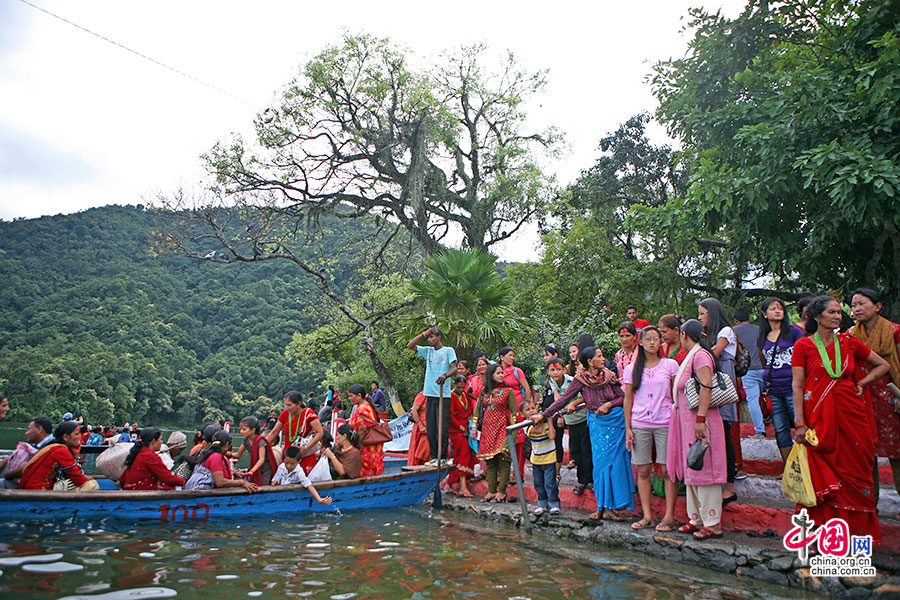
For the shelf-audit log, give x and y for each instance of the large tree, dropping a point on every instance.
(789, 118)
(440, 152)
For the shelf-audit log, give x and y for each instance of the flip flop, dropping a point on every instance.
(665, 527)
(707, 534)
(611, 516)
(688, 528)
(466, 494)
(641, 524)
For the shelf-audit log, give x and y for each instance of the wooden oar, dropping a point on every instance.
(438, 501)
(520, 485)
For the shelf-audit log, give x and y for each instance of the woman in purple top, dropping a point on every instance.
(704, 487)
(613, 481)
(776, 345)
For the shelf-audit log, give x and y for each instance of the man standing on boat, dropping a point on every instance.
(440, 368)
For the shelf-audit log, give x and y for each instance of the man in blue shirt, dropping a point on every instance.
(440, 368)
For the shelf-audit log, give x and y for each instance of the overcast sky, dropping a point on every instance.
(84, 123)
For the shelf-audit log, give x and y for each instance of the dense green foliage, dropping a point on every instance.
(789, 118)
(96, 321)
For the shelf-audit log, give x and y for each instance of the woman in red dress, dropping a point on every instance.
(834, 406)
(514, 379)
(418, 453)
(493, 447)
(463, 460)
(40, 472)
(883, 337)
(144, 469)
(361, 420)
(302, 428)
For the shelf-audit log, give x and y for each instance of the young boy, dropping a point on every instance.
(543, 460)
(288, 473)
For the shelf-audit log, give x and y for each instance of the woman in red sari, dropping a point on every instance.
(834, 406)
(302, 428)
(361, 420)
(883, 337)
(463, 459)
(418, 453)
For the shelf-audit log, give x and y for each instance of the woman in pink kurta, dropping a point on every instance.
(704, 493)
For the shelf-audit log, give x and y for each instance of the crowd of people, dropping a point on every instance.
(654, 401)
(290, 448)
(669, 396)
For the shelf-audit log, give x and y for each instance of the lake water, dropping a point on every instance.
(406, 553)
(414, 553)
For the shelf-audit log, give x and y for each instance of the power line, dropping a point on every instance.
(144, 56)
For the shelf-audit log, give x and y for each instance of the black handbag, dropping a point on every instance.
(695, 455)
(742, 361)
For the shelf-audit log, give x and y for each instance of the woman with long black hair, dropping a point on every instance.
(495, 410)
(213, 470)
(144, 469)
(776, 345)
(600, 391)
(57, 456)
(704, 486)
(723, 342)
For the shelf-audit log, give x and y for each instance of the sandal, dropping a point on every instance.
(466, 494)
(488, 498)
(707, 534)
(645, 522)
(496, 500)
(688, 528)
(666, 527)
(609, 515)
(596, 516)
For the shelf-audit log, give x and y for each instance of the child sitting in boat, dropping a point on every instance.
(543, 460)
(289, 473)
(213, 469)
(262, 459)
(144, 469)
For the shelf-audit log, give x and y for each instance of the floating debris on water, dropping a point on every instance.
(254, 594)
(388, 543)
(54, 567)
(343, 596)
(318, 545)
(142, 593)
(15, 561)
(313, 582)
(147, 555)
(226, 576)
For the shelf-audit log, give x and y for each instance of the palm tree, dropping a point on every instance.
(464, 295)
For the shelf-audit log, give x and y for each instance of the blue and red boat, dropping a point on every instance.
(406, 487)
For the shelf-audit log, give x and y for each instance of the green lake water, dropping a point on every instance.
(415, 553)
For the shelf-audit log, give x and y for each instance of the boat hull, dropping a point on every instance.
(406, 488)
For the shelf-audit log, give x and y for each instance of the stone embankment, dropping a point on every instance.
(753, 526)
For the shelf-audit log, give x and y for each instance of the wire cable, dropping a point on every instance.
(144, 56)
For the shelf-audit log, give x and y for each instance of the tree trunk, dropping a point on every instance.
(384, 374)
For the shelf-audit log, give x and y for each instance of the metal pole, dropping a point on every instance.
(520, 485)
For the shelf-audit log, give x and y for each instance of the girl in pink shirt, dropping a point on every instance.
(648, 410)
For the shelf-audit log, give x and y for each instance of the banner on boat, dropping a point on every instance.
(401, 430)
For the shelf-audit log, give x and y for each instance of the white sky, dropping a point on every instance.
(84, 123)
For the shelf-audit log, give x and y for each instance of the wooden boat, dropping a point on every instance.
(407, 487)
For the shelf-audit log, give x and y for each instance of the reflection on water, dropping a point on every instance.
(381, 554)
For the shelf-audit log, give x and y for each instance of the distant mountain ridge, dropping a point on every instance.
(94, 321)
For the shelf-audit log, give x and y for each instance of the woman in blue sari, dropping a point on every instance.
(600, 391)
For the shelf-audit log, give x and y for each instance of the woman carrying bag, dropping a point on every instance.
(704, 486)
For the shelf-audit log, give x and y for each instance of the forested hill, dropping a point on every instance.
(97, 322)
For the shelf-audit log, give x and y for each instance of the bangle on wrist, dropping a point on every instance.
(701, 418)
(800, 423)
